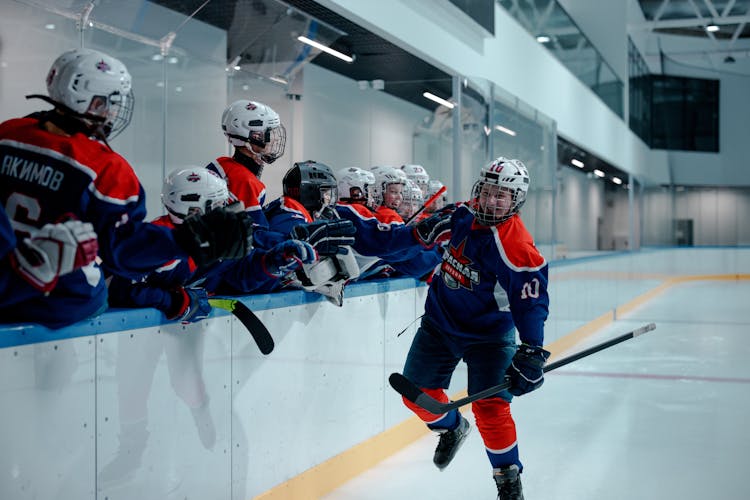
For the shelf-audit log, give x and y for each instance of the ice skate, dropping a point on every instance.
(508, 481)
(450, 442)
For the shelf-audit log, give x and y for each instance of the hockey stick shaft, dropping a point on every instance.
(251, 322)
(412, 393)
(427, 203)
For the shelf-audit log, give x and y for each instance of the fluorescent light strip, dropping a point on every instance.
(505, 130)
(542, 39)
(712, 28)
(616, 180)
(578, 163)
(325, 49)
(438, 100)
(598, 173)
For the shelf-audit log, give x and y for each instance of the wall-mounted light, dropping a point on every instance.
(328, 50)
(712, 28)
(617, 180)
(578, 163)
(438, 100)
(542, 39)
(598, 173)
(505, 130)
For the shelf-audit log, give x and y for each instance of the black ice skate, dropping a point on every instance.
(508, 482)
(450, 442)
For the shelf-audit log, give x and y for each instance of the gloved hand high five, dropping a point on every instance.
(189, 305)
(55, 250)
(526, 370)
(328, 237)
(288, 256)
(429, 230)
(217, 235)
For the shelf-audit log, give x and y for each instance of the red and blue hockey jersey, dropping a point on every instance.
(491, 279)
(46, 178)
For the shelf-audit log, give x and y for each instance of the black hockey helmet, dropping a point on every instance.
(312, 184)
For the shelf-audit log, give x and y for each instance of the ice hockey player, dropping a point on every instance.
(180, 288)
(308, 206)
(57, 166)
(492, 282)
(259, 138)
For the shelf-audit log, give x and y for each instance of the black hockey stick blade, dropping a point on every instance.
(254, 325)
(412, 393)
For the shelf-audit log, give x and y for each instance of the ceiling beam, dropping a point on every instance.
(689, 22)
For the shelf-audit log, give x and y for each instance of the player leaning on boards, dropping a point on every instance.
(56, 165)
(492, 281)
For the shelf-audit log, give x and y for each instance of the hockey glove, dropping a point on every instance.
(526, 369)
(288, 256)
(190, 305)
(217, 235)
(430, 229)
(55, 250)
(328, 237)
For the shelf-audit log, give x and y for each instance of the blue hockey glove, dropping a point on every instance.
(328, 237)
(288, 256)
(193, 305)
(433, 227)
(526, 369)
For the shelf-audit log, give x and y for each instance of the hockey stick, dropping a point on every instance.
(254, 325)
(427, 203)
(411, 392)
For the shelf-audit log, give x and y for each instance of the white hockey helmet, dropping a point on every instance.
(433, 187)
(501, 175)
(384, 177)
(418, 174)
(250, 123)
(413, 200)
(95, 87)
(193, 190)
(356, 185)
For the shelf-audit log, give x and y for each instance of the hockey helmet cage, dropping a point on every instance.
(193, 190)
(500, 191)
(253, 123)
(95, 87)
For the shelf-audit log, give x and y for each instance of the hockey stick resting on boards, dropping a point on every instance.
(411, 392)
(254, 325)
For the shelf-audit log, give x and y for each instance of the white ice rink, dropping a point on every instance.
(661, 416)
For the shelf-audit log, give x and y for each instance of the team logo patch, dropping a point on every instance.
(251, 106)
(103, 66)
(456, 269)
(193, 177)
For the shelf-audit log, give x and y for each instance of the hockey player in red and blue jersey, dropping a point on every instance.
(56, 165)
(492, 283)
(180, 288)
(258, 137)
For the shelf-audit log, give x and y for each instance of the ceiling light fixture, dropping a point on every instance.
(325, 49)
(49, 26)
(617, 180)
(712, 28)
(542, 39)
(505, 130)
(578, 163)
(598, 173)
(438, 100)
